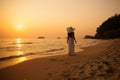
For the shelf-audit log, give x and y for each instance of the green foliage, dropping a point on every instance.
(109, 29)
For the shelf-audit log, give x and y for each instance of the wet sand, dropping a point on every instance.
(98, 62)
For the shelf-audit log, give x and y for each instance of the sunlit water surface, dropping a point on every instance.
(13, 51)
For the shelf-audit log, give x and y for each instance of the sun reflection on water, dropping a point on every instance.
(19, 52)
(18, 42)
(21, 59)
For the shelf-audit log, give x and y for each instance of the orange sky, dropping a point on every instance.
(50, 18)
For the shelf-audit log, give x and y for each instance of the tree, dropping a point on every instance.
(109, 29)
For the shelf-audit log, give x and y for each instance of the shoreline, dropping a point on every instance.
(62, 67)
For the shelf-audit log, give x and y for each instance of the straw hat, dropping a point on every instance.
(70, 29)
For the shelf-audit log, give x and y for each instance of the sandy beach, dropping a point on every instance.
(98, 62)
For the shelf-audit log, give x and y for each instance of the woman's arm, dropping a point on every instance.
(74, 38)
(67, 38)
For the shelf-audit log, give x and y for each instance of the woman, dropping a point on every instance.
(70, 40)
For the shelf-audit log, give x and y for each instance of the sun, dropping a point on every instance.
(19, 26)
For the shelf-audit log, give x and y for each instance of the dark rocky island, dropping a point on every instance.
(41, 37)
(89, 37)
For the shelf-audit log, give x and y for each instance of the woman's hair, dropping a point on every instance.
(71, 34)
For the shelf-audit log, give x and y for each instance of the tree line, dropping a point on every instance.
(109, 29)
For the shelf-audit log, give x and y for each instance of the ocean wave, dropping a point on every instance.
(15, 56)
(24, 43)
(29, 54)
(10, 48)
(53, 50)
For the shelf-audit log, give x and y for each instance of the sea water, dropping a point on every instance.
(13, 51)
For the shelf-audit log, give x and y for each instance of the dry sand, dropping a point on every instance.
(98, 62)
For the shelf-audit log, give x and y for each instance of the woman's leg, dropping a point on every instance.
(71, 47)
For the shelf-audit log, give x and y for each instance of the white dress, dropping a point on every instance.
(71, 46)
